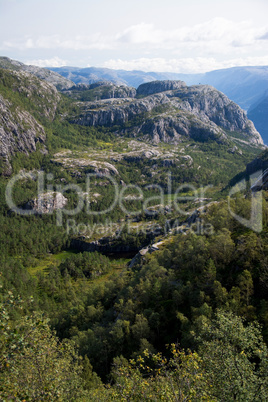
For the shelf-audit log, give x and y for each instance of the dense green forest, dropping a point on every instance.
(183, 323)
(187, 322)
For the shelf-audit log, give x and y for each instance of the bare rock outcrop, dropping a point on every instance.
(47, 202)
(19, 132)
(169, 111)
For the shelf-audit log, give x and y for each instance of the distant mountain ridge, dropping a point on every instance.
(245, 86)
(157, 112)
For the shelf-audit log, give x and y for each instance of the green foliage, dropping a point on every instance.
(34, 365)
(25, 91)
(203, 291)
(236, 359)
(89, 265)
(154, 377)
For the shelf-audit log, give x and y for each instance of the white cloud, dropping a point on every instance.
(141, 34)
(184, 65)
(96, 41)
(215, 35)
(54, 62)
(185, 48)
(217, 30)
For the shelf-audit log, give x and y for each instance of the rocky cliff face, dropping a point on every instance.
(46, 203)
(200, 112)
(19, 132)
(206, 101)
(24, 99)
(116, 111)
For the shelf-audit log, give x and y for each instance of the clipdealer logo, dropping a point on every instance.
(45, 180)
(255, 222)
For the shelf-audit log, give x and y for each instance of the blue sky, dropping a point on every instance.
(178, 36)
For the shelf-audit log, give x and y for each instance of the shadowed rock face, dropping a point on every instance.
(200, 112)
(259, 165)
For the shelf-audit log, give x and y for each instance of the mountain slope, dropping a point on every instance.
(164, 113)
(25, 102)
(244, 85)
(42, 73)
(90, 75)
(199, 112)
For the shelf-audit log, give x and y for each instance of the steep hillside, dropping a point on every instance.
(259, 163)
(25, 103)
(245, 86)
(35, 116)
(42, 73)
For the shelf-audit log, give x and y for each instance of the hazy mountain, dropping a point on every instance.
(243, 85)
(258, 113)
(134, 78)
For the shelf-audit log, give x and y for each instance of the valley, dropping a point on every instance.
(133, 240)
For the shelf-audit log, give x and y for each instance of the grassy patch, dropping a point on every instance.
(43, 264)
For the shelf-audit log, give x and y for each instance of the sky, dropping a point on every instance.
(190, 36)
